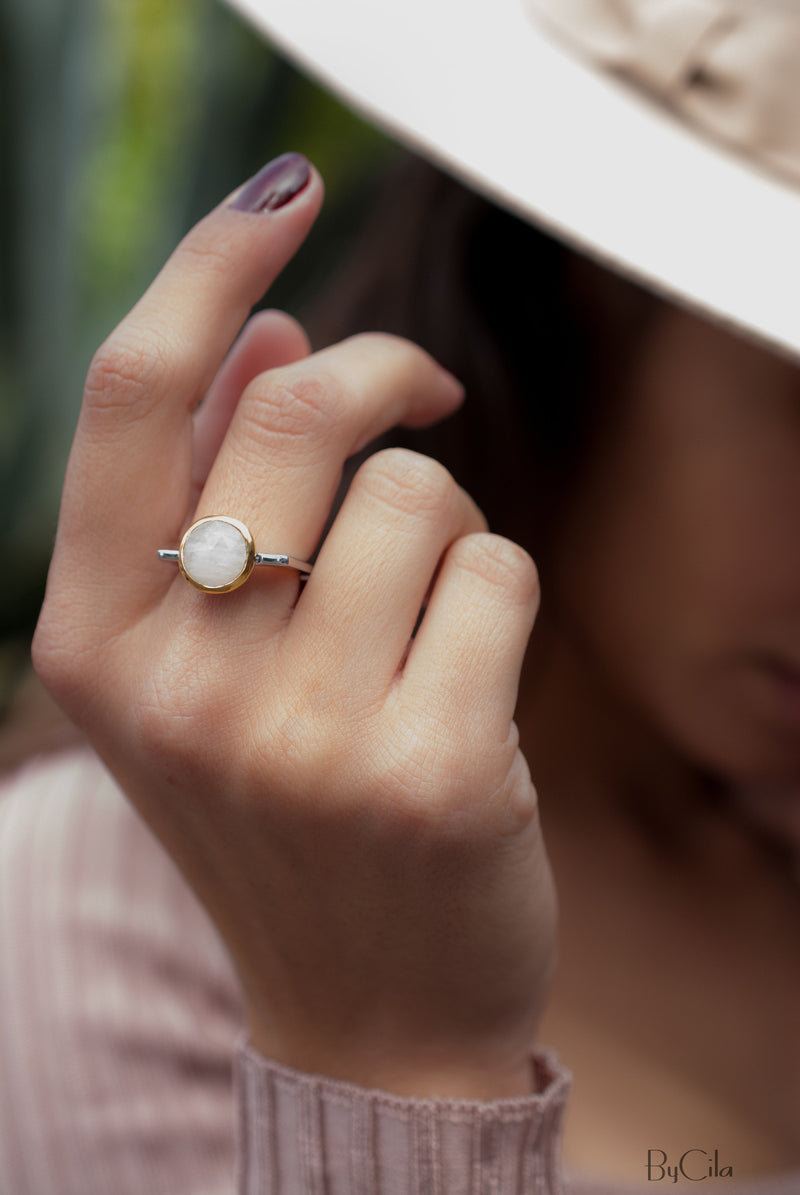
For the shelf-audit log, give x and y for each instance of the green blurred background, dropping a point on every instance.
(122, 122)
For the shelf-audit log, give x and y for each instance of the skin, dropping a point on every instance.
(665, 651)
(680, 575)
(316, 780)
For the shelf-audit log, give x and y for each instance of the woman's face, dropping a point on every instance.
(680, 568)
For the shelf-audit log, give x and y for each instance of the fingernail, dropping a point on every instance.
(275, 185)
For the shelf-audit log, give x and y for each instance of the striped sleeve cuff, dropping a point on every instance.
(300, 1134)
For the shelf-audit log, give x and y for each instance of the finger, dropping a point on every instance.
(473, 636)
(130, 469)
(363, 599)
(270, 339)
(280, 465)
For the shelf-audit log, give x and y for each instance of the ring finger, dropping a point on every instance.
(294, 427)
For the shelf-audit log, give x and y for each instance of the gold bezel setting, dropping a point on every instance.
(249, 560)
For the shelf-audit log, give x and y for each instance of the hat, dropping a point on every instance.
(661, 137)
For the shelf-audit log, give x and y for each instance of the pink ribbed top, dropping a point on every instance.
(125, 1068)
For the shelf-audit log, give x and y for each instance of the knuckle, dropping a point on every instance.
(178, 701)
(127, 376)
(407, 482)
(320, 737)
(372, 342)
(282, 407)
(308, 744)
(434, 782)
(211, 245)
(407, 351)
(406, 359)
(64, 659)
(499, 562)
(423, 775)
(51, 663)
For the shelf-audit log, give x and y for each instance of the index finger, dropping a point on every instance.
(130, 467)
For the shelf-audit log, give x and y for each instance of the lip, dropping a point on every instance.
(783, 678)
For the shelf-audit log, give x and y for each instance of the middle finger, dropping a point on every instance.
(280, 464)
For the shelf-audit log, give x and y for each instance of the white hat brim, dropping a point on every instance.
(478, 87)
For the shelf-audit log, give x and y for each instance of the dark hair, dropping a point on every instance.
(535, 332)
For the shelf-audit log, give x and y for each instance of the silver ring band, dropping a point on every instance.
(275, 561)
(217, 555)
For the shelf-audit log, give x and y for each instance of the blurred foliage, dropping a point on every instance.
(123, 121)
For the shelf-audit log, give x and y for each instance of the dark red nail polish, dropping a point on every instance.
(275, 185)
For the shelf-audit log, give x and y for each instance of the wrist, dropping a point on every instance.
(418, 1072)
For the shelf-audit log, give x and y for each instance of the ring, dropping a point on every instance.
(217, 554)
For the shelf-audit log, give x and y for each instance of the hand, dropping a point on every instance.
(348, 800)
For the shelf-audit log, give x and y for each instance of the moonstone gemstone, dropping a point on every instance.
(215, 553)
